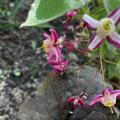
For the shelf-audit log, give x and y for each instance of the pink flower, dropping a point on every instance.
(60, 67)
(105, 29)
(70, 46)
(77, 100)
(52, 45)
(107, 98)
(71, 14)
(55, 56)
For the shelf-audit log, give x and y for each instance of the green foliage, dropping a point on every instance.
(4, 74)
(110, 70)
(19, 4)
(103, 50)
(110, 55)
(5, 26)
(111, 4)
(8, 12)
(111, 60)
(45, 10)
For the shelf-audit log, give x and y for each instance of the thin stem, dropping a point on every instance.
(78, 68)
(108, 61)
(102, 70)
(89, 61)
(111, 110)
(78, 79)
(114, 84)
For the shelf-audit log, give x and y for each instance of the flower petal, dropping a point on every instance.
(60, 41)
(54, 35)
(58, 68)
(58, 55)
(114, 39)
(95, 100)
(71, 99)
(71, 14)
(75, 101)
(46, 35)
(80, 102)
(115, 93)
(74, 107)
(70, 46)
(95, 42)
(115, 15)
(106, 92)
(61, 67)
(90, 22)
(54, 56)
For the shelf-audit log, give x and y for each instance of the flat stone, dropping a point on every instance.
(52, 93)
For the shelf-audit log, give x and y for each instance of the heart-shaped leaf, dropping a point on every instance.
(45, 10)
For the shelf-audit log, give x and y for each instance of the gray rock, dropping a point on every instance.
(96, 116)
(14, 91)
(52, 93)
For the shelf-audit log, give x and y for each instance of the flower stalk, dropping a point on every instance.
(102, 70)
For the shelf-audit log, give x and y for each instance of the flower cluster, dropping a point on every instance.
(52, 45)
(107, 98)
(104, 30)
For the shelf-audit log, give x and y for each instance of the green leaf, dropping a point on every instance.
(111, 71)
(4, 26)
(45, 10)
(111, 49)
(111, 5)
(103, 50)
(118, 66)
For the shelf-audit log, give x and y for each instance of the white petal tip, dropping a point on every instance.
(90, 48)
(85, 16)
(22, 25)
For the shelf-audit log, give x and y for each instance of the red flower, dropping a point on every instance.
(76, 101)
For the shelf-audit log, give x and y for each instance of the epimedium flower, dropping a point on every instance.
(77, 100)
(54, 57)
(70, 15)
(60, 67)
(52, 46)
(105, 29)
(70, 46)
(107, 98)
